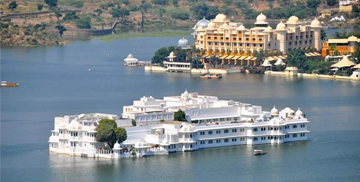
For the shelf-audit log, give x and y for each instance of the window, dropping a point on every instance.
(294, 126)
(287, 127)
(294, 135)
(202, 132)
(255, 129)
(218, 141)
(263, 129)
(286, 136)
(202, 142)
(302, 135)
(210, 132)
(234, 130)
(233, 140)
(226, 140)
(210, 142)
(302, 126)
(263, 138)
(226, 131)
(218, 131)
(255, 139)
(242, 129)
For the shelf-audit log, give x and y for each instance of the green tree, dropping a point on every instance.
(161, 2)
(297, 58)
(84, 22)
(58, 14)
(40, 7)
(116, 13)
(70, 16)
(121, 134)
(12, 5)
(313, 3)
(61, 29)
(109, 122)
(143, 8)
(98, 11)
(106, 133)
(180, 115)
(331, 2)
(204, 10)
(51, 3)
(133, 122)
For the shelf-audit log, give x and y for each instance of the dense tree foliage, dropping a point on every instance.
(61, 29)
(162, 54)
(161, 2)
(296, 58)
(84, 22)
(58, 14)
(323, 34)
(331, 2)
(313, 3)
(70, 16)
(40, 7)
(121, 134)
(51, 3)
(203, 10)
(180, 116)
(12, 5)
(107, 131)
(109, 122)
(356, 54)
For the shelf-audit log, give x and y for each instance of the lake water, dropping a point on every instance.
(56, 81)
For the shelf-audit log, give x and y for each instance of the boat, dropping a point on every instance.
(5, 84)
(259, 152)
(211, 76)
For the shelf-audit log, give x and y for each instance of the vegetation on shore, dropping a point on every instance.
(107, 131)
(150, 15)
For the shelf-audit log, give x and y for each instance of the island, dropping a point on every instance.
(187, 122)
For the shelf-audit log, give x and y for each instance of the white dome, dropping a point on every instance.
(211, 25)
(116, 146)
(299, 112)
(199, 29)
(315, 23)
(224, 25)
(241, 27)
(281, 26)
(130, 56)
(183, 43)
(288, 110)
(202, 23)
(268, 29)
(261, 19)
(293, 20)
(274, 111)
(220, 18)
(172, 54)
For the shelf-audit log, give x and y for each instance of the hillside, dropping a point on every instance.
(139, 15)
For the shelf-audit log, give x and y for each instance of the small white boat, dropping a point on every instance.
(6, 84)
(211, 76)
(259, 152)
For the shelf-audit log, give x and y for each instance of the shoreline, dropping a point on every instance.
(166, 33)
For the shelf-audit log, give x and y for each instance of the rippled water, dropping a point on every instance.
(55, 81)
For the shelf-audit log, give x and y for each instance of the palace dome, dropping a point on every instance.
(281, 26)
(202, 23)
(293, 20)
(183, 43)
(199, 29)
(224, 25)
(299, 112)
(211, 24)
(130, 56)
(241, 27)
(220, 18)
(261, 19)
(315, 23)
(274, 111)
(268, 29)
(116, 146)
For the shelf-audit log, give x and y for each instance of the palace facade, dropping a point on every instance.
(222, 37)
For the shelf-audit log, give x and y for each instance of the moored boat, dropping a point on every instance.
(5, 84)
(211, 76)
(259, 152)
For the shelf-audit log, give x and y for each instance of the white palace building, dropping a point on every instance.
(211, 123)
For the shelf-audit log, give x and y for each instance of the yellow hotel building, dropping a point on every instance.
(222, 36)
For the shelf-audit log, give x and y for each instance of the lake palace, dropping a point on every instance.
(211, 123)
